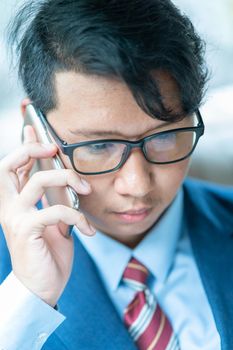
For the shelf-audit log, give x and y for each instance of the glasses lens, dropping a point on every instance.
(98, 157)
(170, 146)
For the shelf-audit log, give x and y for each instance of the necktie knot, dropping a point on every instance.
(136, 275)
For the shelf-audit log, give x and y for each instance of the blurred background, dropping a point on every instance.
(213, 19)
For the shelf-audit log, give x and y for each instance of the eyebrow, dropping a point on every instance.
(104, 133)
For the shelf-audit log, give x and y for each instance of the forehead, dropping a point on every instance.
(99, 104)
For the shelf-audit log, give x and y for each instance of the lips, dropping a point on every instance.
(133, 216)
(134, 211)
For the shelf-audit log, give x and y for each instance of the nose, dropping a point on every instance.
(136, 177)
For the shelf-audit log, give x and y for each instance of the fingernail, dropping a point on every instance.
(85, 184)
(92, 229)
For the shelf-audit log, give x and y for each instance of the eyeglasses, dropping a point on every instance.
(104, 156)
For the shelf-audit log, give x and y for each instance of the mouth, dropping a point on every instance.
(133, 216)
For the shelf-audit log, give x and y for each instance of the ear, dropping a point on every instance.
(24, 103)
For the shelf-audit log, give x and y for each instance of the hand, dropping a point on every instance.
(41, 255)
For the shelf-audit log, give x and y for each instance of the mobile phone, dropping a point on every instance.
(54, 195)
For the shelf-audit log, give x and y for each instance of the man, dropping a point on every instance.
(118, 84)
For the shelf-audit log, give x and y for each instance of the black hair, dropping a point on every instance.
(126, 40)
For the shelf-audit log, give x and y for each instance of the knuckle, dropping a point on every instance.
(25, 151)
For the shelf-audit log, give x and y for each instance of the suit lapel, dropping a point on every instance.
(212, 245)
(92, 322)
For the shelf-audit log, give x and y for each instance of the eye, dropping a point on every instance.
(165, 138)
(99, 148)
(163, 141)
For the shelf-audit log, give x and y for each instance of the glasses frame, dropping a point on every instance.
(68, 149)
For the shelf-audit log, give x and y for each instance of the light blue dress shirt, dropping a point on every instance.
(175, 281)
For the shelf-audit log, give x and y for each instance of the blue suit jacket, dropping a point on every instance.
(92, 322)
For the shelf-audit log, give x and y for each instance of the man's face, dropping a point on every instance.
(123, 204)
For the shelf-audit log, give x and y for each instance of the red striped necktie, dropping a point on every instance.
(146, 322)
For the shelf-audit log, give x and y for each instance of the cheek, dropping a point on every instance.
(95, 202)
(170, 177)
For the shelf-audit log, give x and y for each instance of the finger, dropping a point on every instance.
(60, 213)
(18, 159)
(36, 186)
(29, 135)
(24, 154)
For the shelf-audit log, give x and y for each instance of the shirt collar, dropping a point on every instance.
(110, 256)
(156, 251)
